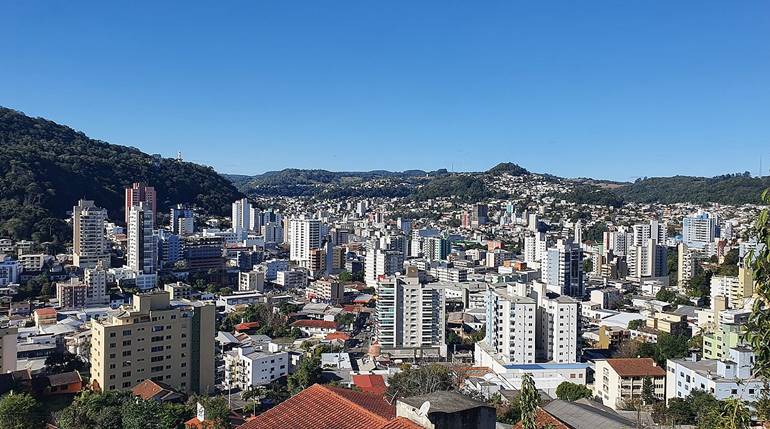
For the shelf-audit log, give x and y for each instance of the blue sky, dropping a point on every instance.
(608, 89)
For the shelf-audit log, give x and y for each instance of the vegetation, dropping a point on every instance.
(272, 324)
(667, 347)
(636, 324)
(702, 410)
(529, 401)
(567, 391)
(758, 328)
(727, 189)
(46, 167)
(21, 411)
(508, 168)
(463, 187)
(412, 381)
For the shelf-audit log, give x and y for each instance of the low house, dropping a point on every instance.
(316, 327)
(157, 391)
(64, 383)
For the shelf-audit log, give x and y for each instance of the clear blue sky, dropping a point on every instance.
(609, 89)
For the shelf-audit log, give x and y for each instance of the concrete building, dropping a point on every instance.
(152, 338)
(304, 235)
(735, 289)
(251, 280)
(647, 259)
(381, 263)
(619, 382)
(291, 279)
(8, 348)
(9, 271)
(699, 229)
(410, 317)
(142, 252)
(179, 290)
(182, 220)
(89, 246)
(562, 269)
(140, 193)
(246, 367)
(511, 325)
(327, 290)
(727, 378)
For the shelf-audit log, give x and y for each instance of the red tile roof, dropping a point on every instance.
(401, 423)
(543, 420)
(370, 383)
(45, 311)
(331, 336)
(325, 407)
(636, 367)
(246, 326)
(308, 323)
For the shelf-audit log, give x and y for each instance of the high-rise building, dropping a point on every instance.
(578, 232)
(89, 246)
(304, 235)
(511, 325)
(273, 232)
(562, 269)
(410, 317)
(242, 216)
(535, 246)
(699, 229)
(142, 254)
(436, 248)
(182, 220)
(647, 259)
(155, 339)
(140, 193)
(380, 262)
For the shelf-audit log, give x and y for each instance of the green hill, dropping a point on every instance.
(726, 189)
(46, 167)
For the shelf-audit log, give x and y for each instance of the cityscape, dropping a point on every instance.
(265, 288)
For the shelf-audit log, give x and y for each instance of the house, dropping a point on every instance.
(321, 407)
(315, 327)
(64, 383)
(45, 316)
(370, 383)
(157, 391)
(619, 381)
(447, 410)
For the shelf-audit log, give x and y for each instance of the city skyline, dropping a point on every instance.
(351, 87)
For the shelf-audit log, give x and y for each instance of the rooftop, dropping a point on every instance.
(444, 402)
(636, 367)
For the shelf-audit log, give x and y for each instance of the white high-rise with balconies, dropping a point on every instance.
(511, 325)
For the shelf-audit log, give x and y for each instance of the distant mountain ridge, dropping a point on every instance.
(46, 167)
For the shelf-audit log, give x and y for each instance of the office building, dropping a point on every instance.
(89, 246)
(155, 339)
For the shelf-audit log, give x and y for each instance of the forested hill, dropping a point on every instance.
(726, 189)
(46, 167)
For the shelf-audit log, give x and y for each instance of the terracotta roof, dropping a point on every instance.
(636, 367)
(308, 323)
(331, 336)
(542, 420)
(45, 311)
(325, 407)
(150, 389)
(370, 383)
(246, 326)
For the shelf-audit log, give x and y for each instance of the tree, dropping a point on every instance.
(666, 295)
(345, 277)
(530, 400)
(412, 381)
(588, 266)
(648, 391)
(139, 414)
(759, 320)
(636, 324)
(21, 411)
(63, 362)
(307, 373)
(567, 391)
(217, 412)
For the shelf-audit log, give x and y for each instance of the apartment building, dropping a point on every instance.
(152, 338)
(511, 325)
(88, 242)
(562, 269)
(246, 367)
(304, 235)
(619, 382)
(410, 317)
(251, 280)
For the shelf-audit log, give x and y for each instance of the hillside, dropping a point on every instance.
(726, 189)
(46, 167)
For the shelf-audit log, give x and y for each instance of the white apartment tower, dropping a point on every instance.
(380, 263)
(304, 235)
(142, 250)
(511, 325)
(88, 243)
(410, 316)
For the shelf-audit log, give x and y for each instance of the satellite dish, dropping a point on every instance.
(424, 409)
